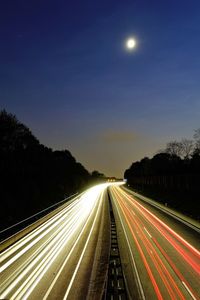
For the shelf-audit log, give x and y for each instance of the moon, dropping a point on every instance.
(130, 43)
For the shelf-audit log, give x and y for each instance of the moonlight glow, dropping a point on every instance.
(130, 43)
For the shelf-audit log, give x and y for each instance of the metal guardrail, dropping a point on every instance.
(195, 225)
(5, 233)
(115, 283)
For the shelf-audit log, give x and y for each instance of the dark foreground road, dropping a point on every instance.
(159, 255)
(60, 258)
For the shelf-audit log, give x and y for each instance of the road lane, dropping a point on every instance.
(160, 262)
(55, 260)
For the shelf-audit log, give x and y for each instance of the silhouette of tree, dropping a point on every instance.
(197, 141)
(14, 135)
(97, 176)
(187, 148)
(174, 148)
(173, 173)
(34, 176)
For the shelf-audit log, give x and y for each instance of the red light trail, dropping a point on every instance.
(172, 264)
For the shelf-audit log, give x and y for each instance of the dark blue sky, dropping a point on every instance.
(65, 73)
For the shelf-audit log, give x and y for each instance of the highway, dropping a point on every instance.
(160, 256)
(58, 259)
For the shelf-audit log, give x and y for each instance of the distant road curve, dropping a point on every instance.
(56, 259)
(160, 255)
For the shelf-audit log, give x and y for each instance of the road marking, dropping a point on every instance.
(29, 284)
(172, 214)
(147, 232)
(84, 249)
(67, 258)
(187, 288)
(51, 223)
(31, 217)
(133, 260)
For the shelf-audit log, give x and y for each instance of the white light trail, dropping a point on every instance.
(81, 257)
(27, 261)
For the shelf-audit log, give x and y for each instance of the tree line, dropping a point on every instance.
(33, 176)
(172, 176)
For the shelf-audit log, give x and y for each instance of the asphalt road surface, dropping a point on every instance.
(59, 259)
(160, 256)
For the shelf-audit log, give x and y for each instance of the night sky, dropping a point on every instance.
(65, 72)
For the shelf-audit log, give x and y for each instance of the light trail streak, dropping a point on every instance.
(150, 273)
(43, 252)
(48, 256)
(156, 262)
(138, 282)
(193, 297)
(66, 260)
(148, 233)
(159, 265)
(83, 252)
(52, 222)
(24, 241)
(166, 233)
(160, 225)
(28, 261)
(186, 244)
(37, 214)
(174, 268)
